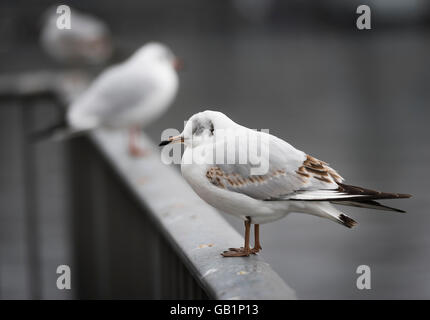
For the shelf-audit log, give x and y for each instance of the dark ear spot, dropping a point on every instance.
(197, 127)
(200, 126)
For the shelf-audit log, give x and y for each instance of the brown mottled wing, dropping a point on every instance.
(290, 170)
(293, 175)
(316, 169)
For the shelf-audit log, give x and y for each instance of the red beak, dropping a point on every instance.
(178, 64)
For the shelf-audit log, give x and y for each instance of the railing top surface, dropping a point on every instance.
(196, 230)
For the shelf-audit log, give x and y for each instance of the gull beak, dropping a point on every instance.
(178, 64)
(172, 140)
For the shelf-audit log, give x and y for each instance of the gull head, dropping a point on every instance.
(157, 53)
(201, 128)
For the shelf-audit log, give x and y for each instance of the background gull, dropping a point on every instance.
(129, 95)
(294, 181)
(88, 41)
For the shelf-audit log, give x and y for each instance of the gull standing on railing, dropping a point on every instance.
(129, 95)
(293, 181)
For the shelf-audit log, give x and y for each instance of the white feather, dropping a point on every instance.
(132, 93)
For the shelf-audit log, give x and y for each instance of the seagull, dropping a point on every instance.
(293, 181)
(88, 40)
(128, 95)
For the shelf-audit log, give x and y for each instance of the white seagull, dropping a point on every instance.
(87, 41)
(293, 182)
(131, 94)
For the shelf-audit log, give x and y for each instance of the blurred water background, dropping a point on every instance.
(358, 100)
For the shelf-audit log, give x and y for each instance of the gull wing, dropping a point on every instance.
(115, 91)
(289, 171)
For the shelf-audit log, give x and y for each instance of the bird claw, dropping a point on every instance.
(137, 152)
(236, 252)
(257, 248)
(240, 252)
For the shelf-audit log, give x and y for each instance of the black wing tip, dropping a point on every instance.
(390, 208)
(164, 142)
(404, 195)
(364, 193)
(48, 132)
(370, 204)
(347, 221)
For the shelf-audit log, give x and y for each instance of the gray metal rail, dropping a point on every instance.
(128, 228)
(195, 230)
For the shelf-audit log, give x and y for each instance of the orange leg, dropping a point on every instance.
(241, 252)
(133, 148)
(257, 245)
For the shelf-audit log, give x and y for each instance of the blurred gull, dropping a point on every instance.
(87, 42)
(292, 182)
(128, 95)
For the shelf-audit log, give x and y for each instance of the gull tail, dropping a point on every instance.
(334, 214)
(59, 131)
(325, 209)
(346, 221)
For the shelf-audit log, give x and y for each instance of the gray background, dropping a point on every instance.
(356, 99)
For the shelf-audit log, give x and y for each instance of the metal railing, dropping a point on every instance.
(129, 228)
